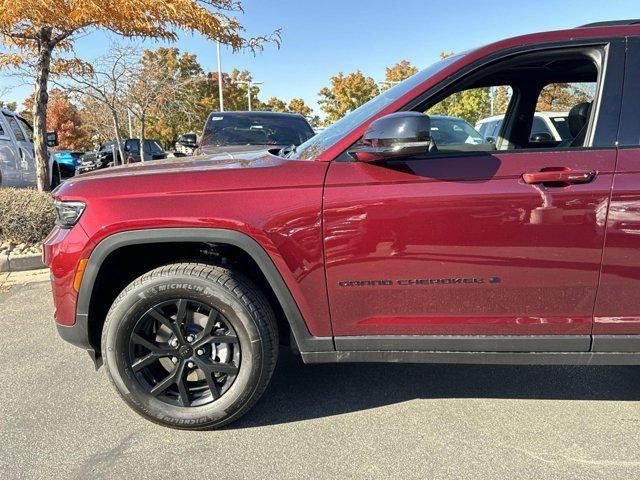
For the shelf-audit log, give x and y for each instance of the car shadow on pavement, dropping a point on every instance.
(301, 392)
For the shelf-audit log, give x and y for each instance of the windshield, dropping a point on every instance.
(255, 129)
(325, 139)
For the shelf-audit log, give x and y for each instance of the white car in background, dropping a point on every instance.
(17, 157)
(547, 127)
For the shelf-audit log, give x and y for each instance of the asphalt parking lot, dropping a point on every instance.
(61, 419)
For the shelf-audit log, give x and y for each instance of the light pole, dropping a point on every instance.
(249, 84)
(492, 96)
(220, 76)
(130, 123)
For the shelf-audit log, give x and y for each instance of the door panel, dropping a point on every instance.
(618, 306)
(8, 164)
(463, 246)
(9, 172)
(23, 150)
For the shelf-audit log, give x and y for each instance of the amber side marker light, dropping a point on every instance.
(77, 279)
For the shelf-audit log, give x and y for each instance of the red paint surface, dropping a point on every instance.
(417, 220)
(63, 249)
(618, 307)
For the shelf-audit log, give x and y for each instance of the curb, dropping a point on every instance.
(21, 263)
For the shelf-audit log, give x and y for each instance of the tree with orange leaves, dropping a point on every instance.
(36, 33)
(64, 117)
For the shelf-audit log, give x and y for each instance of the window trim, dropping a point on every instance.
(3, 129)
(8, 117)
(22, 122)
(629, 128)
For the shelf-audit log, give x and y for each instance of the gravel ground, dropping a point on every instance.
(61, 419)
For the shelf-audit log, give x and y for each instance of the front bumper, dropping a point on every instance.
(62, 250)
(86, 167)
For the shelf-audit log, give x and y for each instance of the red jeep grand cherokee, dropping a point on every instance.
(382, 239)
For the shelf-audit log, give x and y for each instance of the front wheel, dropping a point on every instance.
(190, 346)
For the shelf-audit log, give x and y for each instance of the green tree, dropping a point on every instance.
(235, 94)
(297, 105)
(186, 109)
(501, 98)
(471, 105)
(347, 92)
(399, 72)
(275, 105)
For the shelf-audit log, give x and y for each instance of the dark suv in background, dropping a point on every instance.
(104, 156)
(246, 131)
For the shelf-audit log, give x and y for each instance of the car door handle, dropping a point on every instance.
(559, 176)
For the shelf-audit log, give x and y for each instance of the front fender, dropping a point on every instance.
(305, 341)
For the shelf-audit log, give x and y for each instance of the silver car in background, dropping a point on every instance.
(17, 155)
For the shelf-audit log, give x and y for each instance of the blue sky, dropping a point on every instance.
(321, 38)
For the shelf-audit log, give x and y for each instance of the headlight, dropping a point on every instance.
(68, 213)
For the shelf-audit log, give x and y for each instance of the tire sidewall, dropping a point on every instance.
(123, 317)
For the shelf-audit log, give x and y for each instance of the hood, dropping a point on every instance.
(175, 165)
(185, 176)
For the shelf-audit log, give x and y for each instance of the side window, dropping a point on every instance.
(453, 117)
(557, 101)
(534, 101)
(26, 128)
(132, 146)
(15, 128)
(2, 132)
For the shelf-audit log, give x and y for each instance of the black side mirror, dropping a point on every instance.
(397, 135)
(540, 137)
(52, 139)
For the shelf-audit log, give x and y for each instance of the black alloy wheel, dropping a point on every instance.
(184, 353)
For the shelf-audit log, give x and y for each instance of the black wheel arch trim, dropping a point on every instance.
(303, 338)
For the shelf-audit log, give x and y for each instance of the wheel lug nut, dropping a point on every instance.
(200, 351)
(191, 364)
(174, 359)
(190, 338)
(174, 342)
